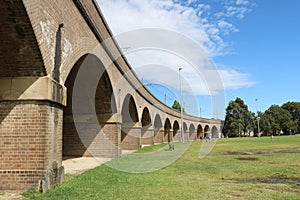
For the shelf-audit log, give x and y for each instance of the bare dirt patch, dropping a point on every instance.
(247, 158)
(11, 195)
(279, 178)
(272, 179)
(80, 165)
(273, 151)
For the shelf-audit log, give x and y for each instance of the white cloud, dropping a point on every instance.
(239, 12)
(128, 15)
(226, 27)
(189, 18)
(233, 79)
(235, 8)
(242, 2)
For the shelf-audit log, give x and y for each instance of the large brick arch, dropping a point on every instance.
(90, 104)
(192, 133)
(146, 119)
(185, 131)
(199, 132)
(176, 133)
(207, 131)
(130, 129)
(147, 131)
(158, 129)
(167, 131)
(80, 51)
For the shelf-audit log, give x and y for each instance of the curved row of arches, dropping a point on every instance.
(96, 125)
(155, 129)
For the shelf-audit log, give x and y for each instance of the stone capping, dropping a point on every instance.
(32, 88)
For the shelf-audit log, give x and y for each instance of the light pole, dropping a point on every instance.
(181, 111)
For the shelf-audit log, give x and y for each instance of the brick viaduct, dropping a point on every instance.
(44, 46)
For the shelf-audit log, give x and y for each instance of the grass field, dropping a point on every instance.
(241, 168)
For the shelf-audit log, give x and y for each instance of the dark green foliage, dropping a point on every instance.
(277, 120)
(176, 105)
(238, 119)
(274, 121)
(294, 109)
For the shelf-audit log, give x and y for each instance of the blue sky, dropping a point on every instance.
(254, 44)
(267, 47)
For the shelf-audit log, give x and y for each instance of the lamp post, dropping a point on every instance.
(181, 111)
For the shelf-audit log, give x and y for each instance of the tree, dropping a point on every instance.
(238, 119)
(176, 105)
(276, 120)
(294, 109)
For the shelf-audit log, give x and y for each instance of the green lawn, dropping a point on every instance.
(242, 168)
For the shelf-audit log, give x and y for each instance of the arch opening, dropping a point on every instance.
(192, 135)
(147, 132)
(214, 132)
(90, 104)
(130, 132)
(158, 135)
(176, 133)
(167, 131)
(207, 132)
(185, 131)
(200, 132)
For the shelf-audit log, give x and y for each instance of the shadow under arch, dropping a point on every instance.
(176, 134)
(192, 135)
(167, 131)
(90, 104)
(185, 131)
(130, 129)
(147, 132)
(200, 132)
(158, 135)
(206, 131)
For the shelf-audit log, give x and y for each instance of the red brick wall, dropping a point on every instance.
(19, 52)
(132, 139)
(192, 136)
(159, 137)
(92, 141)
(30, 143)
(177, 137)
(167, 136)
(147, 137)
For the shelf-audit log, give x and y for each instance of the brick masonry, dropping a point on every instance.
(147, 137)
(19, 52)
(30, 138)
(131, 138)
(36, 132)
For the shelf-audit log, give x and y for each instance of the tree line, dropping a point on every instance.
(276, 120)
